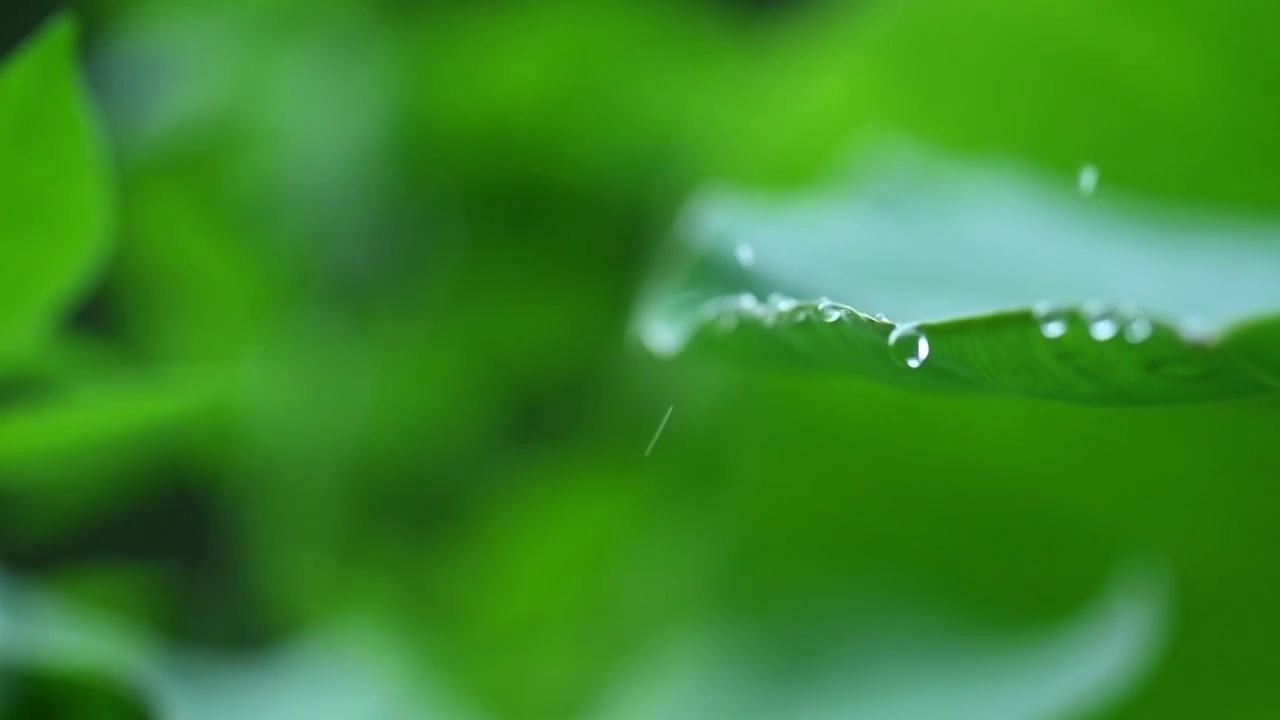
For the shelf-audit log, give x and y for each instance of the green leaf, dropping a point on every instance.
(898, 661)
(95, 418)
(953, 277)
(339, 672)
(54, 199)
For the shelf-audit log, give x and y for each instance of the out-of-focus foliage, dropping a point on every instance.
(349, 421)
(53, 192)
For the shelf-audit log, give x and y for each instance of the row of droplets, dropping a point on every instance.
(1102, 322)
(906, 341)
(775, 308)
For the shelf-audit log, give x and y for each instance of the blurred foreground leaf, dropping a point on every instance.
(54, 206)
(342, 673)
(994, 282)
(897, 661)
(902, 664)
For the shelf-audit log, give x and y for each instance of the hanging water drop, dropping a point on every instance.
(1053, 329)
(1087, 181)
(745, 254)
(782, 303)
(909, 346)
(1137, 330)
(1104, 324)
(1052, 320)
(830, 311)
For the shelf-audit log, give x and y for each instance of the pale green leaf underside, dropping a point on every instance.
(895, 665)
(1017, 287)
(54, 197)
(332, 674)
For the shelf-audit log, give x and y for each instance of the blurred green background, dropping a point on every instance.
(347, 422)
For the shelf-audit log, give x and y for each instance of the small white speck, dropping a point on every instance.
(1087, 181)
(745, 253)
(658, 433)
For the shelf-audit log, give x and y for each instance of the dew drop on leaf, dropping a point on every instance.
(745, 254)
(1087, 181)
(1195, 330)
(782, 303)
(1052, 320)
(1054, 328)
(1137, 330)
(909, 345)
(830, 311)
(1104, 324)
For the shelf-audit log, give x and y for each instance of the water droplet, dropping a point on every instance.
(831, 312)
(880, 317)
(1196, 330)
(909, 345)
(662, 338)
(782, 303)
(1137, 330)
(1053, 329)
(1087, 181)
(1052, 319)
(745, 254)
(1104, 324)
(747, 301)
